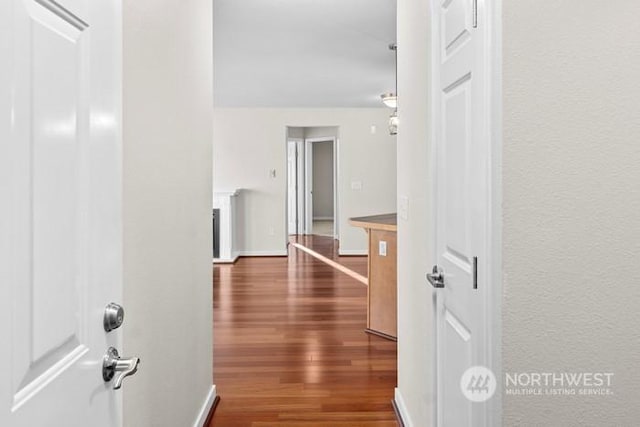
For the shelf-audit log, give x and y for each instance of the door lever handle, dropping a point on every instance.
(436, 278)
(115, 366)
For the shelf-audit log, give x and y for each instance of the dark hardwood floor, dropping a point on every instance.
(290, 347)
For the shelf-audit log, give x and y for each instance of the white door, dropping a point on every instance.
(308, 187)
(292, 187)
(60, 210)
(461, 209)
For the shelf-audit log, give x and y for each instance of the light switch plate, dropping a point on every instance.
(356, 185)
(382, 248)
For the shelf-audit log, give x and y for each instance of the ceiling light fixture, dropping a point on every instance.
(390, 100)
(393, 123)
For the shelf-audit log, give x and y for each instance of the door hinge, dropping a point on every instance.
(475, 272)
(475, 13)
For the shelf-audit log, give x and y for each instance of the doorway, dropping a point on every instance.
(312, 202)
(320, 186)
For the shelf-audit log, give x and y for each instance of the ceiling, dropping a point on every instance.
(303, 53)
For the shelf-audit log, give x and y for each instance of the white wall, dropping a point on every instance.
(322, 180)
(572, 204)
(415, 328)
(295, 132)
(167, 209)
(321, 132)
(248, 142)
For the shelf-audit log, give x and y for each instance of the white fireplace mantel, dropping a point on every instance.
(226, 202)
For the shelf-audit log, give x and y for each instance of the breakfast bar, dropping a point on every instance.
(382, 268)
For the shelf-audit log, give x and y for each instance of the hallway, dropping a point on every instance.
(291, 349)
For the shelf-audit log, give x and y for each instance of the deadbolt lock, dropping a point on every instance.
(113, 316)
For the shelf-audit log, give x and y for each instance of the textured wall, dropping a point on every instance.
(248, 142)
(167, 75)
(572, 204)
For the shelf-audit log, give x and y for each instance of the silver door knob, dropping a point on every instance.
(113, 316)
(115, 366)
(436, 278)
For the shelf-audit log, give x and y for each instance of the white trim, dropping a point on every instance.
(299, 144)
(300, 185)
(263, 253)
(323, 218)
(494, 250)
(335, 188)
(434, 63)
(402, 408)
(226, 201)
(231, 260)
(353, 252)
(308, 187)
(206, 407)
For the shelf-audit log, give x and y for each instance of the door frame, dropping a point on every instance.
(308, 182)
(490, 17)
(299, 184)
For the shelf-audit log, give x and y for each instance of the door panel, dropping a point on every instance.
(292, 186)
(61, 203)
(456, 135)
(308, 187)
(461, 206)
(456, 17)
(55, 196)
(456, 341)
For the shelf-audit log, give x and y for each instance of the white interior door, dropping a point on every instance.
(308, 187)
(335, 189)
(461, 208)
(292, 187)
(60, 215)
(300, 185)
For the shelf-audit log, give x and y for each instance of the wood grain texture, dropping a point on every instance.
(290, 347)
(383, 284)
(336, 265)
(329, 247)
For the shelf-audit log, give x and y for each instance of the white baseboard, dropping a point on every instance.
(323, 218)
(402, 408)
(225, 260)
(352, 252)
(263, 253)
(206, 407)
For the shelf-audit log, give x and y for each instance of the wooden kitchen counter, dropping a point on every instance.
(388, 222)
(382, 267)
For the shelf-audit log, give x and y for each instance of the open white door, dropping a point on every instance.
(308, 187)
(461, 206)
(60, 215)
(292, 187)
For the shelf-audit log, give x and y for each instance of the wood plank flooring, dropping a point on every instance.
(328, 247)
(290, 347)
